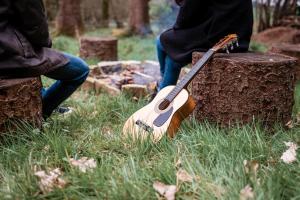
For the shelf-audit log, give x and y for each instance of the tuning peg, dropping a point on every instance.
(227, 50)
(231, 46)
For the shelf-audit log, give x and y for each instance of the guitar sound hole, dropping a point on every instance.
(164, 105)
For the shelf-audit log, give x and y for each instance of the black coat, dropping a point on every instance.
(202, 23)
(24, 40)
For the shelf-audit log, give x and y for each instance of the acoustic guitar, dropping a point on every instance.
(172, 104)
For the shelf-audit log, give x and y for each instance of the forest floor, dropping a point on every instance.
(212, 156)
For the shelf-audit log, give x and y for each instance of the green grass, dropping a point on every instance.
(127, 169)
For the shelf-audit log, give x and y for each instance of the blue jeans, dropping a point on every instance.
(69, 78)
(169, 69)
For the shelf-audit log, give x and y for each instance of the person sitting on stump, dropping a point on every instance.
(25, 51)
(200, 25)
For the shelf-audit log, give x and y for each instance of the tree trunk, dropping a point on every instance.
(278, 9)
(105, 13)
(69, 21)
(51, 7)
(139, 19)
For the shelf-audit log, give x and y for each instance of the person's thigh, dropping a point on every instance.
(75, 69)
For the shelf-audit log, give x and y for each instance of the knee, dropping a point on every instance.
(158, 43)
(85, 70)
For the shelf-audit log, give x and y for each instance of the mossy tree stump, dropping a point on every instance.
(237, 88)
(20, 100)
(104, 49)
(292, 50)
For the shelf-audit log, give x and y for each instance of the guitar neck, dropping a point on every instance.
(190, 76)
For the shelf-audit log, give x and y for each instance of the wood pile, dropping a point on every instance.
(132, 77)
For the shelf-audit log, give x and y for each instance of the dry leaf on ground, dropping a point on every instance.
(246, 193)
(178, 163)
(290, 124)
(251, 166)
(167, 191)
(51, 180)
(217, 190)
(290, 155)
(183, 176)
(84, 164)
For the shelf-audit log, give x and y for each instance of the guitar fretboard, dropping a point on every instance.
(189, 76)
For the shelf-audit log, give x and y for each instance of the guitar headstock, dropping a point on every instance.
(229, 42)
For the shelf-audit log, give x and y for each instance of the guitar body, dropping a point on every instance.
(172, 104)
(152, 122)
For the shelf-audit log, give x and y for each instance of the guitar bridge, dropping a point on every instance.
(144, 126)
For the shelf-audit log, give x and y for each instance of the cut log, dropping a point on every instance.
(89, 84)
(135, 90)
(292, 50)
(103, 86)
(20, 100)
(105, 49)
(238, 88)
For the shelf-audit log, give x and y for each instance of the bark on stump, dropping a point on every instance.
(237, 88)
(105, 49)
(292, 50)
(20, 100)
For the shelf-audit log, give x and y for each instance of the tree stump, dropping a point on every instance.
(104, 49)
(238, 88)
(292, 50)
(20, 100)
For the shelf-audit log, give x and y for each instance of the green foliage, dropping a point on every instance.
(66, 44)
(137, 48)
(257, 47)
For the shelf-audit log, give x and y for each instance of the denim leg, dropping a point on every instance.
(161, 55)
(171, 74)
(69, 78)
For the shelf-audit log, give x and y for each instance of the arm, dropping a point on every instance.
(32, 21)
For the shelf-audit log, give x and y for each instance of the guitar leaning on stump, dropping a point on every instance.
(172, 104)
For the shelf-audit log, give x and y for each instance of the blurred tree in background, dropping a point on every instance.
(136, 15)
(139, 19)
(69, 21)
(271, 12)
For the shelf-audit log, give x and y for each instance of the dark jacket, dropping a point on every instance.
(202, 23)
(24, 40)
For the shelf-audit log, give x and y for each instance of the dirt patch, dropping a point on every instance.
(239, 87)
(278, 35)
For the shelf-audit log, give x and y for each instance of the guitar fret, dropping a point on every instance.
(188, 77)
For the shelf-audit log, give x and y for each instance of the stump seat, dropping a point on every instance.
(104, 49)
(20, 100)
(243, 86)
(292, 50)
